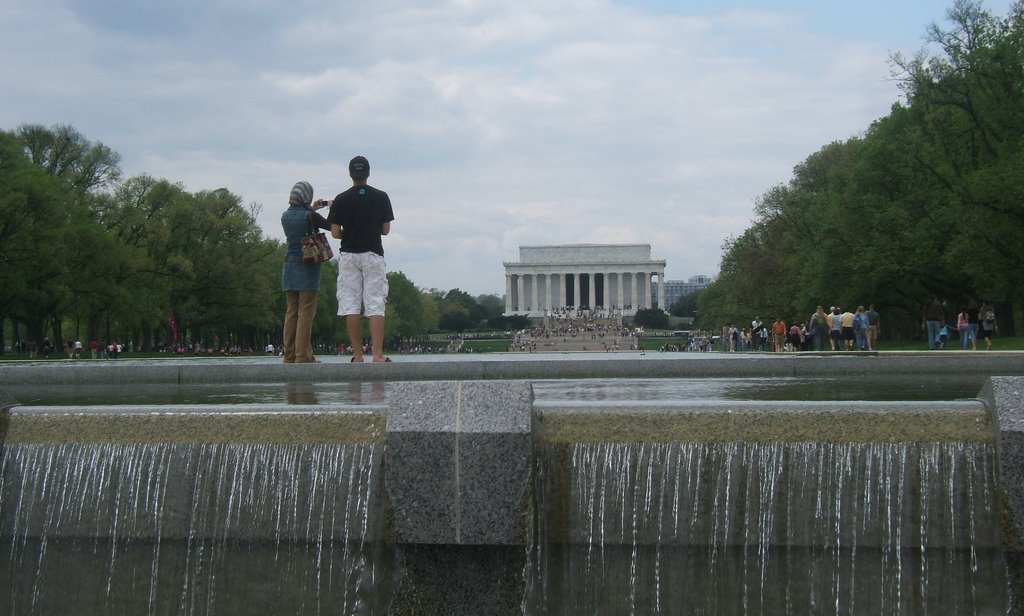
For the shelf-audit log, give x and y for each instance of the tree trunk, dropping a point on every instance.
(57, 331)
(147, 337)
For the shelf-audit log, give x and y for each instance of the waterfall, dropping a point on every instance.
(137, 528)
(779, 528)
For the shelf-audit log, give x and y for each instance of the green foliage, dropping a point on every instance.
(411, 314)
(458, 311)
(651, 318)
(78, 243)
(929, 200)
(686, 305)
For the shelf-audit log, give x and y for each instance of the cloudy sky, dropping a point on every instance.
(491, 124)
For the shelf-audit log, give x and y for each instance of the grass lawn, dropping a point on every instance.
(998, 344)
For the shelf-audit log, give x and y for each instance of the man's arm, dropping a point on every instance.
(384, 229)
(336, 231)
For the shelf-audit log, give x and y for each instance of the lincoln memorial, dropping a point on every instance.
(606, 276)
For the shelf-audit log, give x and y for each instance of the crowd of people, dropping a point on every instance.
(837, 329)
(834, 330)
(973, 320)
(603, 328)
(73, 348)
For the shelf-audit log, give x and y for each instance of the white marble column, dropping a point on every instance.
(521, 288)
(632, 285)
(576, 290)
(661, 292)
(647, 289)
(592, 290)
(547, 292)
(534, 303)
(619, 278)
(508, 293)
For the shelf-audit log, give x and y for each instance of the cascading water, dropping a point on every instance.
(744, 527)
(191, 529)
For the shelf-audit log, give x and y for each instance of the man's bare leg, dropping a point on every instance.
(377, 337)
(355, 335)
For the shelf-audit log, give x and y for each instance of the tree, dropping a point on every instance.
(51, 173)
(686, 305)
(458, 311)
(653, 318)
(928, 200)
(63, 152)
(491, 307)
(411, 315)
(33, 270)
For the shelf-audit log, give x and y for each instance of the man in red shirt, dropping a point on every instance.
(778, 335)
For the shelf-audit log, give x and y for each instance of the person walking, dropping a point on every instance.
(299, 280)
(874, 321)
(987, 321)
(819, 327)
(835, 331)
(779, 330)
(973, 322)
(968, 337)
(360, 217)
(755, 332)
(932, 320)
(846, 329)
(860, 329)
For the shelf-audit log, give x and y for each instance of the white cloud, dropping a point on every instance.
(492, 125)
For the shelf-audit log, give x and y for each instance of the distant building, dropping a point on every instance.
(674, 289)
(606, 276)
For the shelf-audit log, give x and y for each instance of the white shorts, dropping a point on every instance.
(362, 282)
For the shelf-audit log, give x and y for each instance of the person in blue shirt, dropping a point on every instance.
(299, 280)
(860, 328)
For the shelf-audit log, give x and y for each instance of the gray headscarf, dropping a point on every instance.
(302, 195)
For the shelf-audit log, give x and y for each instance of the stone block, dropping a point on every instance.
(458, 460)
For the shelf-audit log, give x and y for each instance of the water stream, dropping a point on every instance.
(804, 528)
(191, 529)
(625, 528)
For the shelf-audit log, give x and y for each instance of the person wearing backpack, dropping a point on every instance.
(860, 329)
(987, 316)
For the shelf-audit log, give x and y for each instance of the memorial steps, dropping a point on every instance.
(577, 335)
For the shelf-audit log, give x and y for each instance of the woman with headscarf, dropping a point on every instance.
(300, 281)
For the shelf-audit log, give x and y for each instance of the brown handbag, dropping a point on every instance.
(315, 247)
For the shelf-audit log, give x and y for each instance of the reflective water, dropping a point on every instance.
(775, 388)
(376, 393)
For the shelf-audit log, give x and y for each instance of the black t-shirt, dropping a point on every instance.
(361, 211)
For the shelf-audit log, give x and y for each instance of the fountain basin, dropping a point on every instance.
(474, 497)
